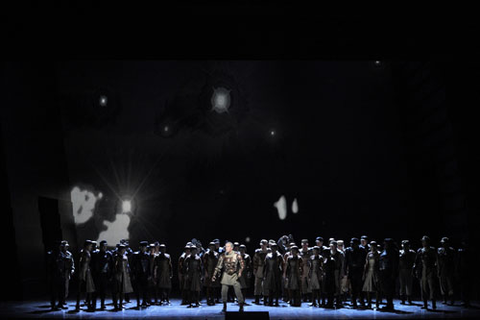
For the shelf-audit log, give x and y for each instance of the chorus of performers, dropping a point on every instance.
(327, 274)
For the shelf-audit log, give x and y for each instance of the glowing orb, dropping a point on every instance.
(295, 206)
(272, 133)
(220, 100)
(126, 206)
(103, 101)
(377, 63)
(247, 239)
(166, 128)
(281, 206)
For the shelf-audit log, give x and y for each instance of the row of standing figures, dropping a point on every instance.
(321, 275)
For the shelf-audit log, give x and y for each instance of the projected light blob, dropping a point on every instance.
(281, 206)
(116, 230)
(295, 206)
(220, 100)
(83, 203)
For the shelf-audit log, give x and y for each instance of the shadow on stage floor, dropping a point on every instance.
(39, 309)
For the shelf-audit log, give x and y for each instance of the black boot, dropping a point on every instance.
(241, 308)
(409, 299)
(444, 299)
(224, 307)
(425, 304)
(257, 300)
(403, 299)
(434, 304)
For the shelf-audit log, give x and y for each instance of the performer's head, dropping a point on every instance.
(162, 247)
(425, 241)
(228, 247)
(354, 243)
(333, 245)
(319, 241)
(103, 245)
(364, 240)
(88, 245)
(243, 249)
(373, 246)
(406, 244)
(264, 244)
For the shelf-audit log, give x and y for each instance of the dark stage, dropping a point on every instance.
(40, 309)
(299, 177)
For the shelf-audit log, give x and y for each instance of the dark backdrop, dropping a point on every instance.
(379, 149)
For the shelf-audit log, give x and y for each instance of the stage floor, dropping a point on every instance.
(41, 309)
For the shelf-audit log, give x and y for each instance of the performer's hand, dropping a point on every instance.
(239, 274)
(214, 278)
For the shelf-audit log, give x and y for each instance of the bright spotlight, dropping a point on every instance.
(103, 101)
(272, 132)
(220, 100)
(377, 63)
(126, 206)
(166, 128)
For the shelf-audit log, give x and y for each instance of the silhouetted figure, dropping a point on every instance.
(387, 271)
(141, 273)
(272, 283)
(193, 265)
(210, 260)
(425, 269)
(258, 268)
(121, 277)
(85, 279)
(446, 269)
(163, 274)
(315, 275)
(247, 272)
(406, 261)
(293, 274)
(354, 266)
(371, 275)
(56, 267)
(102, 271)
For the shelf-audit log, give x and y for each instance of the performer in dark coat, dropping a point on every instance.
(56, 267)
(152, 280)
(85, 279)
(193, 264)
(364, 243)
(293, 273)
(354, 267)
(305, 253)
(210, 260)
(315, 276)
(121, 277)
(102, 262)
(69, 269)
(371, 275)
(387, 271)
(232, 265)
(129, 255)
(446, 270)
(163, 273)
(334, 269)
(405, 273)
(140, 264)
(258, 267)
(425, 268)
(247, 272)
(184, 291)
(274, 266)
